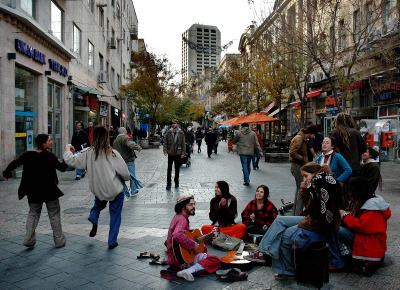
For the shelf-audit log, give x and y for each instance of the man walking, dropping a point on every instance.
(298, 156)
(126, 148)
(174, 148)
(79, 141)
(246, 142)
(210, 139)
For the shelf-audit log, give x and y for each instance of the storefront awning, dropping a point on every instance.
(313, 94)
(269, 108)
(356, 85)
(88, 91)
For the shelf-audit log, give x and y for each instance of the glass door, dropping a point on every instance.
(54, 95)
(328, 125)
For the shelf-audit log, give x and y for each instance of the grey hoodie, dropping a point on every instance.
(246, 141)
(375, 203)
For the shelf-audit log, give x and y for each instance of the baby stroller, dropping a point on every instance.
(186, 157)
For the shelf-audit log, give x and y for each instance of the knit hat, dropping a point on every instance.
(183, 197)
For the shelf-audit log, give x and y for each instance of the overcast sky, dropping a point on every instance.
(162, 22)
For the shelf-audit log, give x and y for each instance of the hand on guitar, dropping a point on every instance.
(197, 249)
(222, 202)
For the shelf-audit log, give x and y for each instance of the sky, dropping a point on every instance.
(162, 22)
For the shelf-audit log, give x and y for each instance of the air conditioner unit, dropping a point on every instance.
(112, 44)
(102, 77)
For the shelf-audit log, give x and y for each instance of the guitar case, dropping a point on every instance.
(234, 259)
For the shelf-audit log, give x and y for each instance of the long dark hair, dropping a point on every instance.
(101, 141)
(180, 206)
(360, 191)
(342, 123)
(40, 140)
(266, 193)
(224, 187)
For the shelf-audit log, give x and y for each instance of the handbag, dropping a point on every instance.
(227, 243)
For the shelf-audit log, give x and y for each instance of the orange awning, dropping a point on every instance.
(258, 118)
(313, 94)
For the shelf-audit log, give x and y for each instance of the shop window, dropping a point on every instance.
(56, 21)
(90, 4)
(25, 109)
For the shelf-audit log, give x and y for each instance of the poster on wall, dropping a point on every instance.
(103, 110)
(29, 140)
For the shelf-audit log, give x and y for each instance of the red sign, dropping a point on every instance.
(387, 87)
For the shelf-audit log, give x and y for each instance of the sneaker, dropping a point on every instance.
(135, 193)
(110, 247)
(78, 178)
(176, 185)
(168, 187)
(185, 274)
(93, 231)
(246, 184)
(257, 256)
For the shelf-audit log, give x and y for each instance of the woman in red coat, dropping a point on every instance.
(368, 221)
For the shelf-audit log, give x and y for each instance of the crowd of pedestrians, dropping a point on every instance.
(334, 202)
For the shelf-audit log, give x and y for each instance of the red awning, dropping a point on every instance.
(356, 85)
(313, 94)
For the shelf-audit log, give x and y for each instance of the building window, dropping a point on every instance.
(28, 6)
(91, 55)
(76, 46)
(342, 35)
(90, 4)
(123, 71)
(101, 62)
(118, 81)
(101, 17)
(356, 24)
(112, 77)
(56, 21)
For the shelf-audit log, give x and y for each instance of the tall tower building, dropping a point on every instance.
(201, 48)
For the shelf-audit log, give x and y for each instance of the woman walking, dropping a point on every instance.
(107, 171)
(39, 183)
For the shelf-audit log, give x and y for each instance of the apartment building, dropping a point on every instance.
(360, 72)
(201, 48)
(60, 62)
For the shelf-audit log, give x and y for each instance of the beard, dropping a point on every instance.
(192, 212)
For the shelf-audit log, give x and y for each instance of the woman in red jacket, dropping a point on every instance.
(368, 221)
(259, 213)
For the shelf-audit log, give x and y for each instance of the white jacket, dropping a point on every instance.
(103, 173)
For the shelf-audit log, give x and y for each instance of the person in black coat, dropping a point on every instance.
(199, 139)
(210, 139)
(39, 183)
(80, 141)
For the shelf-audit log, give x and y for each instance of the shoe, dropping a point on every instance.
(30, 246)
(185, 274)
(135, 193)
(234, 275)
(176, 185)
(61, 246)
(257, 256)
(93, 231)
(246, 184)
(110, 247)
(83, 174)
(77, 178)
(282, 277)
(168, 187)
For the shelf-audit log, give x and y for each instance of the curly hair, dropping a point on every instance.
(342, 123)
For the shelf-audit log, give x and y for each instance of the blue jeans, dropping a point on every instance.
(131, 169)
(271, 242)
(115, 215)
(246, 160)
(255, 159)
(79, 172)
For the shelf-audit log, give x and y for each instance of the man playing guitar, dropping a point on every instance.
(178, 234)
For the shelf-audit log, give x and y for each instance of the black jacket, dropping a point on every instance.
(80, 140)
(39, 178)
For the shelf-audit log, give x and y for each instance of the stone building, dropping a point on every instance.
(61, 62)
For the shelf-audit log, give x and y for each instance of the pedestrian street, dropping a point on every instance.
(86, 263)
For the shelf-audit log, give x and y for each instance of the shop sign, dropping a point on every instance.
(58, 68)
(29, 51)
(387, 97)
(332, 111)
(320, 111)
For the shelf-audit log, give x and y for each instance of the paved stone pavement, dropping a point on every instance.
(86, 263)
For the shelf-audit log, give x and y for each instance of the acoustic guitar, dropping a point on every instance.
(185, 256)
(234, 259)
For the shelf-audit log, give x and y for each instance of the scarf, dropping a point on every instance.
(327, 158)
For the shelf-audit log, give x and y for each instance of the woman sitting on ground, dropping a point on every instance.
(338, 165)
(320, 224)
(368, 221)
(223, 211)
(259, 213)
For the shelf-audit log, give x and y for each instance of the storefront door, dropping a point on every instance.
(25, 110)
(328, 125)
(54, 95)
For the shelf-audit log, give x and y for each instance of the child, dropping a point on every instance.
(368, 221)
